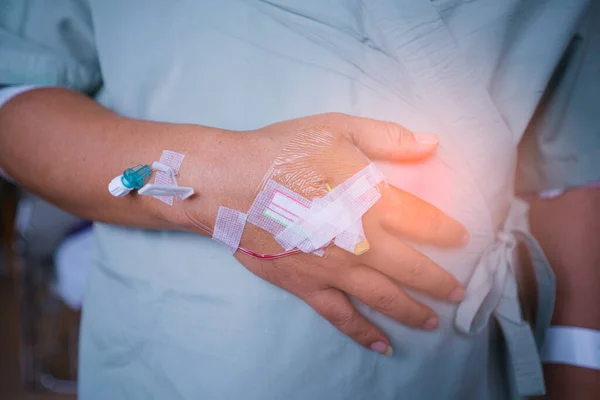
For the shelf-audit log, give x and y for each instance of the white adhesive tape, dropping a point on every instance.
(229, 228)
(275, 207)
(336, 216)
(172, 160)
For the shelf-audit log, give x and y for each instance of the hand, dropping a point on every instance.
(374, 277)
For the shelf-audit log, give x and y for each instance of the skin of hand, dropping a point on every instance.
(377, 276)
(65, 147)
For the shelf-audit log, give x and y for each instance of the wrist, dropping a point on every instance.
(145, 142)
(224, 168)
(211, 165)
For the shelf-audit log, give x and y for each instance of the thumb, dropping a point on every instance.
(383, 140)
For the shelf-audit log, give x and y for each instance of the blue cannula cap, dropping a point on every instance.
(136, 177)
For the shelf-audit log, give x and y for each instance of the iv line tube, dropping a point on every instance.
(248, 252)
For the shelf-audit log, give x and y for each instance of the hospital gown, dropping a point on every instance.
(172, 315)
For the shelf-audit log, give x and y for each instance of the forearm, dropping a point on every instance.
(65, 147)
(568, 228)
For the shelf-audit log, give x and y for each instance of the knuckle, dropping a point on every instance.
(392, 132)
(386, 302)
(415, 272)
(342, 318)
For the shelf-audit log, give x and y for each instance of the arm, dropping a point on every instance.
(568, 229)
(562, 150)
(66, 148)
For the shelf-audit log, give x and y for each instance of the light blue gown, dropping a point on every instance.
(172, 315)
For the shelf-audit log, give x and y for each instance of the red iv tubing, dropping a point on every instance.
(251, 253)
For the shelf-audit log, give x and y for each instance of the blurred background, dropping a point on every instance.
(45, 254)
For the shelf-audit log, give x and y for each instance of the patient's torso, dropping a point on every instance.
(190, 311)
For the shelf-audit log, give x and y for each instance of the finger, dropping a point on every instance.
(384, 140)
(335, 307)
(404, 214)
(410, 267)
(384, 296)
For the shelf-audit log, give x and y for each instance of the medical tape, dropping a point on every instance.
(330, 217)
(229, 228)
(351, 238)
(354, 239)
(172, 160)
(276, 206)
(339, 213)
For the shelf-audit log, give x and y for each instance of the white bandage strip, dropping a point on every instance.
(296, 222)
(335, 214)
(171, 190)
(229, 228)
(572, 346)
(351, 237)
(173, 160)
(275, 207)
(330, 217)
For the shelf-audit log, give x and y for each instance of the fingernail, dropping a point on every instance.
(426, 138)
(431, 323)
(362, 247)
(389, 352)
(457, 295)
(382, 348)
